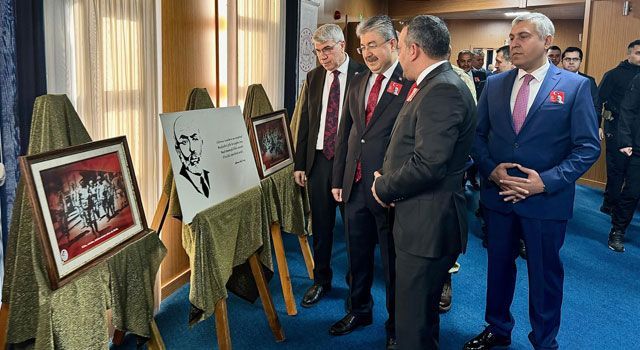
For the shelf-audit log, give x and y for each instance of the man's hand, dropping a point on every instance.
(376, 175)
(627, 151)
(337, 194)
(522, 188)
(300, 178)
(600, 133)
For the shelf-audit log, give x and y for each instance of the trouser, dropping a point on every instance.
(544, 239)
(617, 164)
(625, 207)
(419, 282)
(367, 223)
(323, 217)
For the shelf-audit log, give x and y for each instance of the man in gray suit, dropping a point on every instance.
(422, 177)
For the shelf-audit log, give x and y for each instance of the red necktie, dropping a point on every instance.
(372, 101)
(520, 106)
(331, 118)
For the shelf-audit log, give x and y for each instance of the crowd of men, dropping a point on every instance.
(91, 200)
(389, 143)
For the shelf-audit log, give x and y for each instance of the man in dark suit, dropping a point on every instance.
(537, 134)
(422, 177)
(571, 61)
(316, 146)
(372, 105)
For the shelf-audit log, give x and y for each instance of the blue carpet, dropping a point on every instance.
(600, 309)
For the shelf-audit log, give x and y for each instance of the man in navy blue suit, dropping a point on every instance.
(537, 134)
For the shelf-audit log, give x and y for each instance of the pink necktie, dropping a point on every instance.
(520, 107)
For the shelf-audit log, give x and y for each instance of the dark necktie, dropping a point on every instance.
(205, 187)
(372, 101)
(331, 118)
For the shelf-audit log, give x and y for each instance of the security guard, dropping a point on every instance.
(612, 89)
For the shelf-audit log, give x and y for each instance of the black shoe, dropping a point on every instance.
(314, 294)
(606, 209)
(616, 241)
(392, 344)
(349, 323)
(523, 250)
(445, 297)
(487, 340)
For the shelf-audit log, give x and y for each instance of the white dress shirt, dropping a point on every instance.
(428, 70)
(372, 79)
(534, 85)
(342, 78)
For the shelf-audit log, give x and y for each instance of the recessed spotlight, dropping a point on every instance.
(516, 14)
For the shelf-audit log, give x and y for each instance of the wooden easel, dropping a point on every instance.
(221, 313)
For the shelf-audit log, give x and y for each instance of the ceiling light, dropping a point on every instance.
(516, 14)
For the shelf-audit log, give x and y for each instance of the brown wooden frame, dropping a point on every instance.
(254, 139)
(26, 163)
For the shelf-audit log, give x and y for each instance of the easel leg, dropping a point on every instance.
(156, 342)
(222, 325)
(4, 325)
(265, 297)
(306, 253)
(283, 270)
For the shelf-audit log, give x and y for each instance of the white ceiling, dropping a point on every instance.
(553, 12)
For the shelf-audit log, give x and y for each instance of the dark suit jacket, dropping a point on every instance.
(558, 140)
(365, 143)
(310, 115)
(479, 79)
(424, 165)
(594, 95)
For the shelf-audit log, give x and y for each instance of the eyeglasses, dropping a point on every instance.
(325, 50)
(370, 46)
(572, 59)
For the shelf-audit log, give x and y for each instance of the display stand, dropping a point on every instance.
(257, 104)
(76, 308)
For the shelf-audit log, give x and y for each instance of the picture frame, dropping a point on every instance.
(86, 205)
(271, 142)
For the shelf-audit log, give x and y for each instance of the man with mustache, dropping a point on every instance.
(188, 145)
(315, 150)
(372, 105)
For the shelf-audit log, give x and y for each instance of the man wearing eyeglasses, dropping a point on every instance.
(371, 107)
(571, 61)
(319, 119)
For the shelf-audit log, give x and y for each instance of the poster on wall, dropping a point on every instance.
(210, 155)
(308, 25)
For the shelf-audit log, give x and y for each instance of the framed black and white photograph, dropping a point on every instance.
(272, 143)
(86, 205)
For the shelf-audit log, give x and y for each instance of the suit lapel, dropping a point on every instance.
(386, 98)
(362, 100)
(550, 81)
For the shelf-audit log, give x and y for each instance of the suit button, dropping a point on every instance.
(516, 145)
(362, 141)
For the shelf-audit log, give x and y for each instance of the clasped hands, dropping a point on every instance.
(515, 189)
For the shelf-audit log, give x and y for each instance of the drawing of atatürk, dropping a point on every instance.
(189, 148)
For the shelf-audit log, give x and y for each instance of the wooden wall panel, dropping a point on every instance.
(410, 8)
(353, 9)
(467, 34)
(188, 61)
(609, 34)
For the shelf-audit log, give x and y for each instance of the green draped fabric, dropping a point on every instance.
(73, 316)
(286, 202)
(221, 238)
(256, 103)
